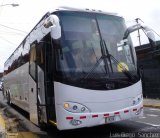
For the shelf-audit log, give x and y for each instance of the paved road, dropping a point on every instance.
(151, 117)
(147, 126)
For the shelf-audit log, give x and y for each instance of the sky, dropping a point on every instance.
(24, 17)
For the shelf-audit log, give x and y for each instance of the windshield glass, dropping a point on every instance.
(112, 31)
(81, 43)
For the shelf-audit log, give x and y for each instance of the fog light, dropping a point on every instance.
(75, 122)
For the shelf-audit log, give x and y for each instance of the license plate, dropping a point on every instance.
(109, 119)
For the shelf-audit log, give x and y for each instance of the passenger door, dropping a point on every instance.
(49, 73)
(37, 95)
(33, 85)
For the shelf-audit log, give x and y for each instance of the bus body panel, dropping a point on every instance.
(33, 113)
(64, 93)
(97, 102)
(16, 83)
(22, 90)
(41, 93)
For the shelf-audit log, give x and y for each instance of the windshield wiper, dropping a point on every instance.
(106, 55)
(124, 70)
(94, 67)
(102, 58)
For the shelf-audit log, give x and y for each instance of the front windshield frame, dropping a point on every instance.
(72, 74)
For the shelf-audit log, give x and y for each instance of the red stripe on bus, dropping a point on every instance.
(69, 118)
(135, 109)
(82, 117)
(94, 116)
(126, 111)
(116, 113)
(106, 114)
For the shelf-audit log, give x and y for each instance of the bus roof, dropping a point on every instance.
(62, 8)
(84, 10)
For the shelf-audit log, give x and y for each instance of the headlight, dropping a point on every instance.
(137, 100)
(75, 107)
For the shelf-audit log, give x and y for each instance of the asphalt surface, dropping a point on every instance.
(146, 126)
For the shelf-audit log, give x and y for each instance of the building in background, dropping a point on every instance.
(149, 59)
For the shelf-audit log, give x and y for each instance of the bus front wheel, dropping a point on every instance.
(9, 99)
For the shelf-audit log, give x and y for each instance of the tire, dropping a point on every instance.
(9, 99)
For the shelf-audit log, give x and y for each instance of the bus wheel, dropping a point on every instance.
(43, 127)
(9, 99)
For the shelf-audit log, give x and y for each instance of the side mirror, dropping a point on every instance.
(53, 22)
(131, 29)
(150, 34)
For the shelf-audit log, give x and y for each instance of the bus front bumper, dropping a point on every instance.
(69, 120)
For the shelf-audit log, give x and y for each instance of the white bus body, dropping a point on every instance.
(55, 80)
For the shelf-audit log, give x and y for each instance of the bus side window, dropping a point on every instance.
(33, 54)
(39, 56)
(32, 62)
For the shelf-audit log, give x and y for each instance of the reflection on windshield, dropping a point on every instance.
(112, 30)
(81, 43)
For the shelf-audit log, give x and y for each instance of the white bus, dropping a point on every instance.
(76, 68)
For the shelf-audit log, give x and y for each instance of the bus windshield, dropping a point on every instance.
(83, 35)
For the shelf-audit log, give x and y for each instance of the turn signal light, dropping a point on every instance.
(66, 105)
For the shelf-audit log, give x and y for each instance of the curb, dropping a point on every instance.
(151, 105)
(2, 126)
(5, 129)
